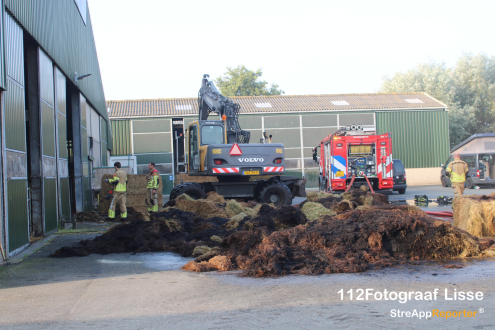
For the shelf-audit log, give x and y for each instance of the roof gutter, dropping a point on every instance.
(287, 112)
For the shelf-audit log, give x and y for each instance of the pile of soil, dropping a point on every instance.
(135, 196)
(475, 214)
(284, 240)
(181, 232)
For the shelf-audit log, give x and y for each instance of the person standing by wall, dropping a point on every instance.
(153, 184)
(457, 170)
(119, 180)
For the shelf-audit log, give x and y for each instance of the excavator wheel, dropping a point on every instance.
(275, 192)
(193, 190)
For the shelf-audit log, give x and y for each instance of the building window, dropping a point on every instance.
(82, 6)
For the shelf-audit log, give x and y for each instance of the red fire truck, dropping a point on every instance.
(354, 156)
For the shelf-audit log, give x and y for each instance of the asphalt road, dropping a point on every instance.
(432, 191)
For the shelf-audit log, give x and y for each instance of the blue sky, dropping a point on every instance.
(161, 49)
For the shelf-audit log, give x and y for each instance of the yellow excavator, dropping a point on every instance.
(221, 148)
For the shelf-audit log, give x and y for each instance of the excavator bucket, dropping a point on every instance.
(299, 189)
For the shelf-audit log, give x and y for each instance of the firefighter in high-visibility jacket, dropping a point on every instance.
(457, 171)
(153, 183)
(119, 181)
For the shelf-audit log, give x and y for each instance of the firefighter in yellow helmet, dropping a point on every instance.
(153, 183)
(119, 181)
(457, 170)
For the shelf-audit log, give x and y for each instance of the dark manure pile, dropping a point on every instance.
(347, 234)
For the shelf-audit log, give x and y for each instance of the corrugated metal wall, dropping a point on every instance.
(15, 124)
(17, 214)
(85, 127)
(62, 154)
(47, 101)
(15, 139)
(121, 137)
(3, 78)
(419, 138)
(104, 139)
(58, 28)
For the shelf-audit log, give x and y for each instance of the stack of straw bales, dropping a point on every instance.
(136, 193)
(475, 214)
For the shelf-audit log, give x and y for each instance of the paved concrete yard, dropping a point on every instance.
(149, 291)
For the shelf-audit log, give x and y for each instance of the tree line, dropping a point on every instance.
(467, 88)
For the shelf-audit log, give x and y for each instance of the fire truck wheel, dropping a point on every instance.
(277, 193)
(193, 190)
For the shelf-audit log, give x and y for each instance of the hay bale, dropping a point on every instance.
(135, 196)
(202, 207)
(475, 214)
(235, 221)
(201, 250)
(250, 212)
(233, 208)
(193, 266)
(365, 199)
(489, 253)
(216, 239)
(184, 197)
(239, 217)
(232, 224)
(347, 196)
(215, 198)
(221, 263)
(314, 210)
(343, 206)
(315, 196)
(173, 225)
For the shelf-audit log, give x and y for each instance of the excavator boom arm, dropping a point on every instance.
(212, 101)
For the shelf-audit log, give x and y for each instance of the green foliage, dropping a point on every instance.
(468, 89)
(241, 81)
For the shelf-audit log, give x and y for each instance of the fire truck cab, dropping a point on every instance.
(355, 155)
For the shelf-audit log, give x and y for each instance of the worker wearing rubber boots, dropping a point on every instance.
(457, 170)
(119, 181)
(153, 183)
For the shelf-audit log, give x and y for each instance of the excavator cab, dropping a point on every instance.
(201, 134)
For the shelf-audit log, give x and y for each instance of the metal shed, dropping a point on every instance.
(418, 122)
(55, 126)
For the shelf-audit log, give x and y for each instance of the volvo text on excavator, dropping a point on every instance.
(221, 148)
